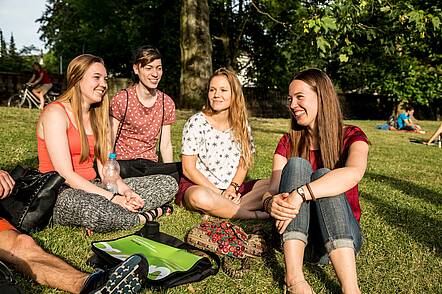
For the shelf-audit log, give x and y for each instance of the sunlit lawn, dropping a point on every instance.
(401, 197)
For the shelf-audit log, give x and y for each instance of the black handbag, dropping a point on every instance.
(162, 251)
(30, 205)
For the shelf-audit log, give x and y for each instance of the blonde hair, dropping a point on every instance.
(328, 122)
(99, 112)
(238, 118)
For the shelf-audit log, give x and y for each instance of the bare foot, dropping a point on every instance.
(301, 287)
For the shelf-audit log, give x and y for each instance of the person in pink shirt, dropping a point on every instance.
(141, 118)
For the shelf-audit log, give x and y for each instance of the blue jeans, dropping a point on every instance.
(323, 225)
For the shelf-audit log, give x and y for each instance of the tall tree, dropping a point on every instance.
(12, 48)
(196, 52)
(3, 48)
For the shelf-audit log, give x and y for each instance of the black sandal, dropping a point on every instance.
(158, 212)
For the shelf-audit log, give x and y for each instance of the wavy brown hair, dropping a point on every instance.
(99, 112)
(328, 124)
(238, 118)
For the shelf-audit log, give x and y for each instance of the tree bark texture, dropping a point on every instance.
(196, 53)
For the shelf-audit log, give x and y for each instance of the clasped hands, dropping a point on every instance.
(284, 207)
(129, 200)
(231, 194)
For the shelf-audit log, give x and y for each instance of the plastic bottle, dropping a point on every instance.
(111, 172)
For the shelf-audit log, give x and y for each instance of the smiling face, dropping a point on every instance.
(150, 74)
(93, 85)
(220, 93)
(303, 103)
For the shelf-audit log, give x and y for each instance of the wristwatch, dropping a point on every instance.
(235, 185)
(301, 193)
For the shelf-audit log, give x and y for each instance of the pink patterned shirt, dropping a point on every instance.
(141, 128)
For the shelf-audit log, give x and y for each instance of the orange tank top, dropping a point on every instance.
(84, 169)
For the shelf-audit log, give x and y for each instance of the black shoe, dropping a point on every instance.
(128, 277)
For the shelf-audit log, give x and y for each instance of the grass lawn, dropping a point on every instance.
(401, 199)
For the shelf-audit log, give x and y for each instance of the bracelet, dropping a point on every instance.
(235, 185)
(267, 203)
(301, 193)
(310, 191)
(115, 194)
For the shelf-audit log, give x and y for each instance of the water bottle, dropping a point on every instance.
(111, 172)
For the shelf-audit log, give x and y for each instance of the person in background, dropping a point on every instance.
(435, 135)
(41, 83)
(145, 115)
(404, 121)
(313, 194)
(23, 253)
(72, 132)
(217, 150)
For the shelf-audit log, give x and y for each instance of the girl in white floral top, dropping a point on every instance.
(216, 153)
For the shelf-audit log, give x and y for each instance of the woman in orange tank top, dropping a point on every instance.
(74, 131)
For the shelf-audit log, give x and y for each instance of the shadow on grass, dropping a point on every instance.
(421, 227)
(331, 284)
(408, 188)
(278, 269)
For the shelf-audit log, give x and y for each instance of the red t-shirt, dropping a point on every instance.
(141, 129)
(46, 79)
(351, 134)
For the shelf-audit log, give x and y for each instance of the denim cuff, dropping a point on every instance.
(294, 235)
(338, 243)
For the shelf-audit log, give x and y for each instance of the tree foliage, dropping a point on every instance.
(388, 48)
(11, 59)
(113, 30)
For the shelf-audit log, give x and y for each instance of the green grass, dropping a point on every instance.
(401, 197)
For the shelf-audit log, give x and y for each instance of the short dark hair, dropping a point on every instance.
(146, 54)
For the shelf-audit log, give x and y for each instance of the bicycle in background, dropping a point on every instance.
(25, 98)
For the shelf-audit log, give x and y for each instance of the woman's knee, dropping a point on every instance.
(199, 198)
(24, 246)
(298, 163)
(319, 173)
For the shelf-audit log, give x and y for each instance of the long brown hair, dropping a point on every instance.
(328, 122)
(99, 112)
(238, 118)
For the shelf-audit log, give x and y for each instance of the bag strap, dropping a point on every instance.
(161, 128)
(120, 125)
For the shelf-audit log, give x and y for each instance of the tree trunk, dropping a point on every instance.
(196, 53)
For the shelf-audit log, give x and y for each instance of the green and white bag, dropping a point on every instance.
(171, 261)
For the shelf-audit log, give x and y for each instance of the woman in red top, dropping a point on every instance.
(41, 81)
(316, 169)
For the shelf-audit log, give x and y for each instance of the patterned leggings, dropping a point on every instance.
(80, 208)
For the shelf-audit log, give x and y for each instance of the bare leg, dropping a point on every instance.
(40, 95)
(203, 199)
(436, 134)
(253, 199)
(294, 258)
(27, 257)
(344, 262)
